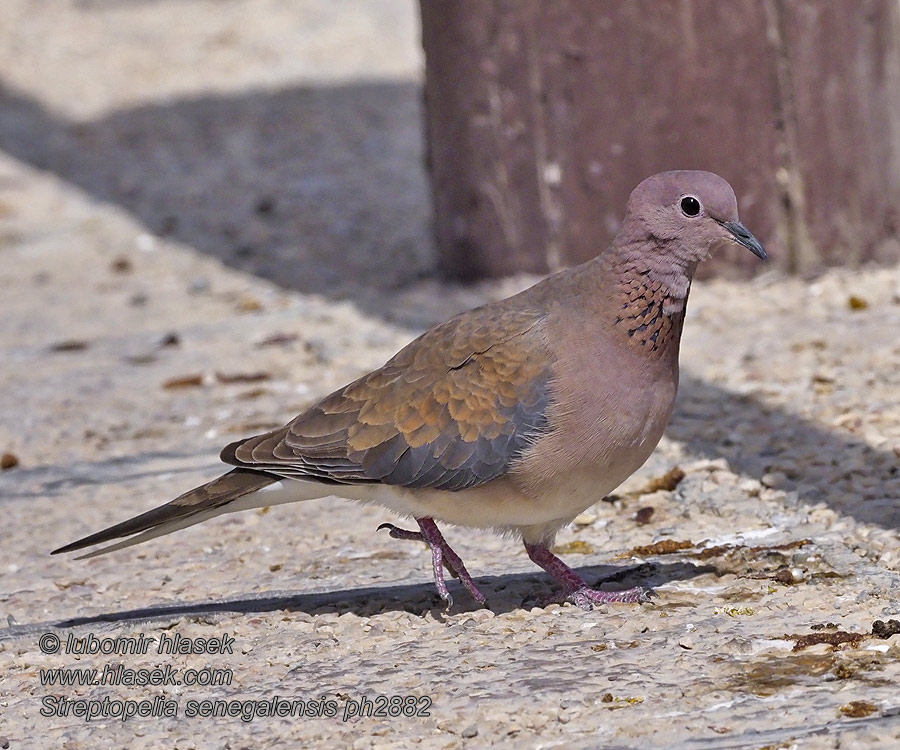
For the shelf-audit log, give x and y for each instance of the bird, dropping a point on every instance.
(515, 416)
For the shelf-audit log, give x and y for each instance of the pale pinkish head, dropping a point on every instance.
(686, 215)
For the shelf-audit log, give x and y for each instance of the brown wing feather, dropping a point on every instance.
(449, 411)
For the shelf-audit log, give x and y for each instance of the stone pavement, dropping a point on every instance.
(162, 296)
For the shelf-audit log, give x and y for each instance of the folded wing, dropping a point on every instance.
(449, 411)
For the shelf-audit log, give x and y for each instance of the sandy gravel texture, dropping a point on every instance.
(185, 258)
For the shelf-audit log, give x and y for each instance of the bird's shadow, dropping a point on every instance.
(504, 593)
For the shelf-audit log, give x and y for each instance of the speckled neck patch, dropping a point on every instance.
(650, 313)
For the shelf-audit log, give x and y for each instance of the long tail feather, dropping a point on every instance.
(197, 505)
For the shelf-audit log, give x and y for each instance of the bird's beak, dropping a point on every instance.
(742, 236)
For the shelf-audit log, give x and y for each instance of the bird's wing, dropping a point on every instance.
(449, 411)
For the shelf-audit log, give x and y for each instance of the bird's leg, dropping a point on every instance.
(434, 538)
(574, 586)
(442, 555)
(437, 558)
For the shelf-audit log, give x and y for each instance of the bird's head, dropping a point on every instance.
(685, 216)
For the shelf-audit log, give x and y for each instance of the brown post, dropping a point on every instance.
(542, 115)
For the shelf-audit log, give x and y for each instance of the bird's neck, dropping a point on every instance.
(648, 296)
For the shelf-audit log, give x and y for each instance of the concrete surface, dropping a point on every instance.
(134, 347)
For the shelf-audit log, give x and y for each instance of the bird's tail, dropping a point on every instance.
(239, 489)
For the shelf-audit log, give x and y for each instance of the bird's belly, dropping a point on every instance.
(581, 487)
(497, 504)
(505, 504)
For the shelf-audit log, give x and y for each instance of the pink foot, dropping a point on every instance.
(441, 556)
(575, 589)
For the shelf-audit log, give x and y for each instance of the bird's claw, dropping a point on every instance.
(586, 597)
(397, 533)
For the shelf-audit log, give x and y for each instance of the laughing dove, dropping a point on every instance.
(516, 416)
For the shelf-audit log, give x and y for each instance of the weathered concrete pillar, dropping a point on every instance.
(542, 115)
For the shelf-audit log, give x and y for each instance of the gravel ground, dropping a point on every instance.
(135, 345)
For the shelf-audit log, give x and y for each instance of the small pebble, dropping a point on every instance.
(858, 709)
(121, 265)
(9, 461)
(881, 629)
(185, 381)
(774, 479)
(265, 205)
(789, 576)
(198, 286)
(247, 304)
(146, 243)
(70, 345)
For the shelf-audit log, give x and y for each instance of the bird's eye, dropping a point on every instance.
(690, 205)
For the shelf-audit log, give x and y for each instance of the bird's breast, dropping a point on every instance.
(606, 417)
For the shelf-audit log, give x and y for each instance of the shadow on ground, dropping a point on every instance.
(504, 593)
(319, 189)
(819, 463)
